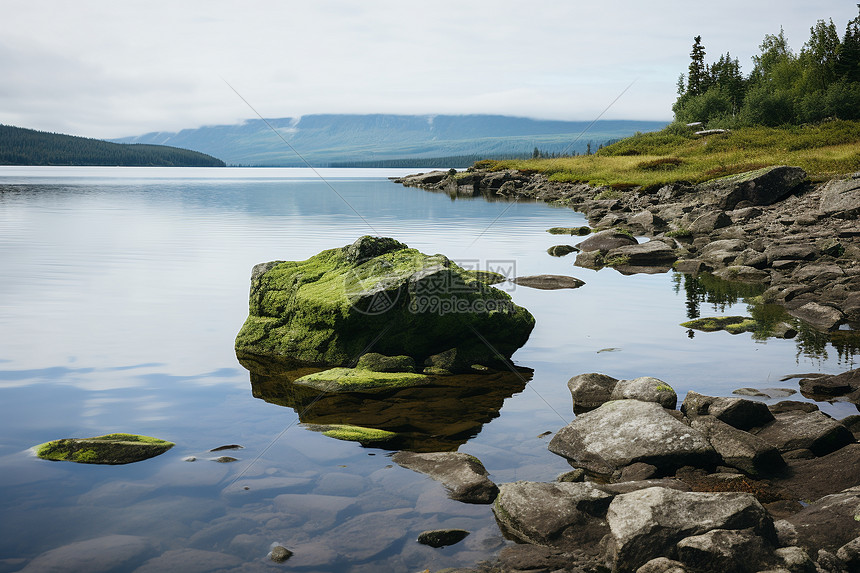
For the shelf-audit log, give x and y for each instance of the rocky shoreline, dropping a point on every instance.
(721, 484)
(773, 226)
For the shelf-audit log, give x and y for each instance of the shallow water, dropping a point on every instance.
(122, 291)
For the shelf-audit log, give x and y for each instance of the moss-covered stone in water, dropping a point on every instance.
(732, 324)
(359, 380)
(353, 433)
(376, 362)
(110, 449)
(580, 231)
(378, 295)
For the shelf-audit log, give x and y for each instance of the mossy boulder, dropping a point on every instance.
(378, 295)
(731, 324)
(349, 433)
(110, 449)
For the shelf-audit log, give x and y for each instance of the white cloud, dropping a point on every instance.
(106, 69)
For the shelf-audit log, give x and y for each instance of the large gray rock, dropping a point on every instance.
(590, 390)
(814, 431)
(830, 522)
(647, 524)
(761, 187)
(740, 449)
(565, 515)
(651, 253)
(726, 551)
(605, 241)
(622, 432)
(819, 316)
(737, 412)
(463, 475)
(646, 389)
(831, 385)
(841, 199)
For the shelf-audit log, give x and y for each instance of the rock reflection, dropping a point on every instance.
(770, 320)
(433, 418)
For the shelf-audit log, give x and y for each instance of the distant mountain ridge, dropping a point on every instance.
(333, 139)
(21, 146)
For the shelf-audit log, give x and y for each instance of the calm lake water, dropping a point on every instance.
(122, 290)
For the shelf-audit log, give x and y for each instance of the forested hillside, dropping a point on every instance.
(821, 81)
(20, 146)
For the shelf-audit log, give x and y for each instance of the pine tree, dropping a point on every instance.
(697, 74)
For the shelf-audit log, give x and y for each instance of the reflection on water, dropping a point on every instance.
(707, 289)
(434, 418)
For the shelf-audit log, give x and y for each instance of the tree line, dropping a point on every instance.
(19, 146)
(821, 81)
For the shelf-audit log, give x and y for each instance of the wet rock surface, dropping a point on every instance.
(463, 475)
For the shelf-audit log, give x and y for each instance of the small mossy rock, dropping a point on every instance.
(731, 324)
(360, 380)
(350, 433)
(377, 293)
(110, 449)
(376, 362)
(581, 231)
(279, 554)
(561, 250)
(442, 537)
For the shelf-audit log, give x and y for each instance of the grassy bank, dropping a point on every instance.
(676, 154)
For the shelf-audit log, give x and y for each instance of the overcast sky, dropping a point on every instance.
(111, 68)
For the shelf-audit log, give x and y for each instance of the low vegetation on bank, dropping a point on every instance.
(677, 154)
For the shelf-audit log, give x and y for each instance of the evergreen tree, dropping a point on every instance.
(847, 65)
(697, 73)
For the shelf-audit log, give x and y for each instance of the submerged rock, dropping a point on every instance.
(110, 449)
(377, 294)
(549, 282)
(360, 380)
(731, 324)
(442, 537)
(464, 476)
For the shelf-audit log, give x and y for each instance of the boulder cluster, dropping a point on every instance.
(723, 485)
(770, 226)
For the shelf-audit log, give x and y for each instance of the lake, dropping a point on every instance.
(123, 289)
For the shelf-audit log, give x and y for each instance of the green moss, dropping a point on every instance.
(376, 362)
(359, 380)
(579, 231)
(112, 449)
(664, 388)
(732, 324)
(353, 433)
(681, 232)
(608, 194)
(617, 261)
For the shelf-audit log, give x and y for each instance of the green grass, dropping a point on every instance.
(676, 155)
